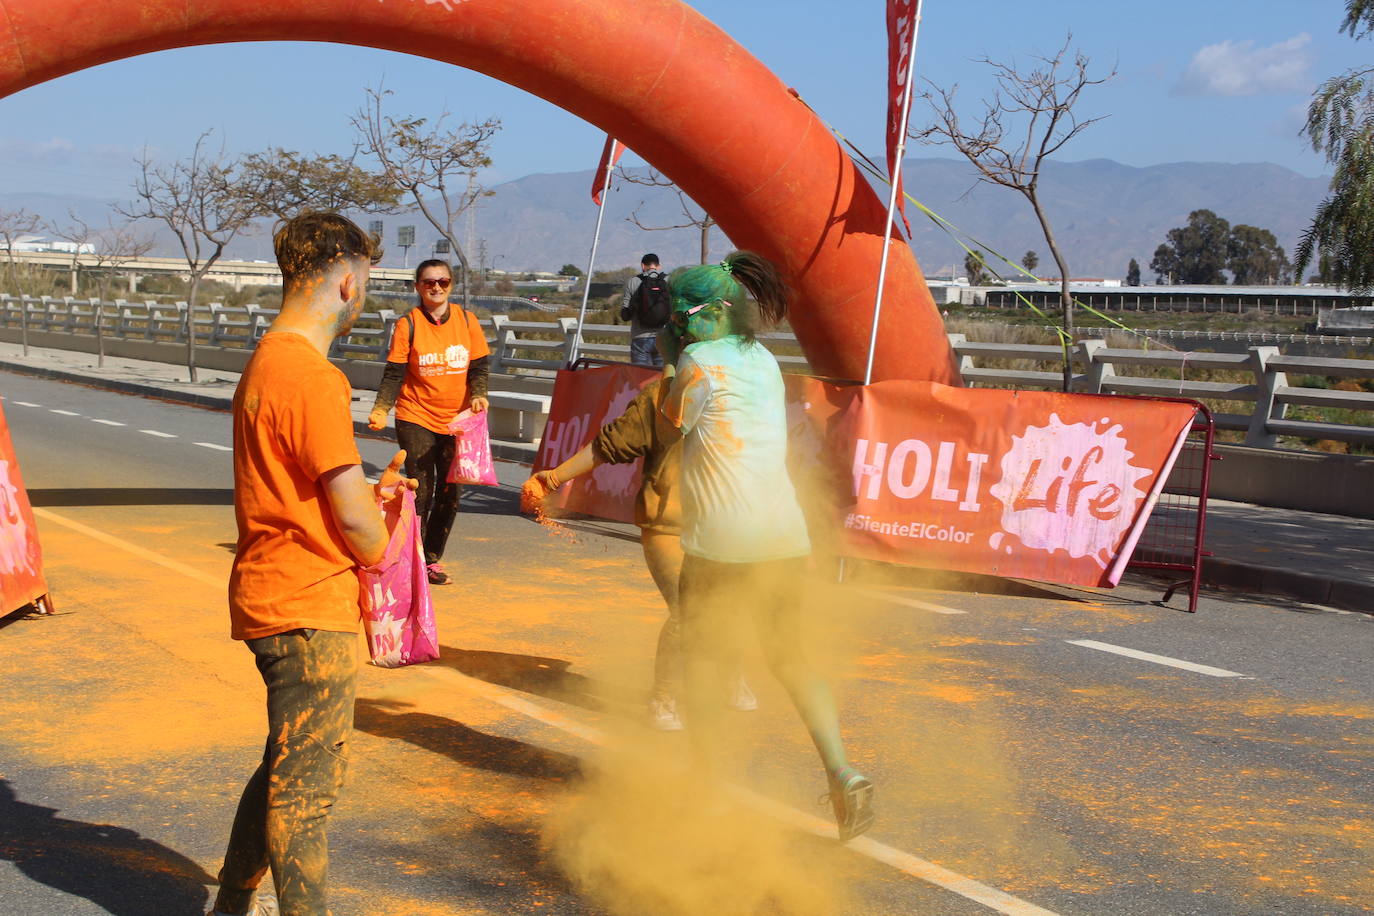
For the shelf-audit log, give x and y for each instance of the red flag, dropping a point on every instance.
(901, 36)
(609, 156)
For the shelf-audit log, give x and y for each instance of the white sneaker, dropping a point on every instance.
(663, 714)
(262, 905)
(741, 697)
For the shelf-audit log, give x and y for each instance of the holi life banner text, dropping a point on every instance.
(21, 557)
(1033, 485)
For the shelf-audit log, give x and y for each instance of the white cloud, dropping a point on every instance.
(1234, 68)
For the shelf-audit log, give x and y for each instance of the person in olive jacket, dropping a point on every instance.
(658, 513)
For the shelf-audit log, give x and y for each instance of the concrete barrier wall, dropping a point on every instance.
(1310, 481)
(360, 374)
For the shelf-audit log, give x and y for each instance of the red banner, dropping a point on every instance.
(610, 155)
(901, 40)
(1019, 484)
(21, 557)
(1023, 484)
(584, 400)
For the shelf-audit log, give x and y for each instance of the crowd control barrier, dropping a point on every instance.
(1174, 537)
(1033, 485)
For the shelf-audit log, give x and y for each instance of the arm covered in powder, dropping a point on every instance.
(479, 376)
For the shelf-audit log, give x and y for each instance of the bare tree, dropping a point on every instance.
(1029, 119)
(695, 217)
(112, 248)
(285, 182)
(77, 231)
(14, 225)
(430, 161)
(200, 200)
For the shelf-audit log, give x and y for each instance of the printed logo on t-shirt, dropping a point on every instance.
(452, 359)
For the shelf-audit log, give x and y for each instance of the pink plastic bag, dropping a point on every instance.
(472, 458)
(394, 595)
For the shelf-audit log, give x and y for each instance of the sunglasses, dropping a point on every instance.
(681, 317)
(441, 282)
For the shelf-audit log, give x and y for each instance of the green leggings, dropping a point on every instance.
(282, 818)
(714, 597)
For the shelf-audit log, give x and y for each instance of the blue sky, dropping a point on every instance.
(1205, 80)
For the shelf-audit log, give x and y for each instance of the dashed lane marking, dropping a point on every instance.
(150, 556)
(65, 413)
(218, 448)
(160, 435)
(106, 422)
(905, 862)
(910, 602)
(26, 404)
(1151, 657)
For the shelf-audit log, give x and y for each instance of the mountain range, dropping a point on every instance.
(1103, 214)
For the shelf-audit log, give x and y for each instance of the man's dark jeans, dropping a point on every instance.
(282, 819)
(644, 352)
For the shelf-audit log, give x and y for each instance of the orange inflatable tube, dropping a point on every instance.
(698, 107)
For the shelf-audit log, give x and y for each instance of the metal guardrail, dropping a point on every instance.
(527, 354)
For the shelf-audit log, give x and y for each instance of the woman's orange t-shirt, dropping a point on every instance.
(435, 389)
(292, 423)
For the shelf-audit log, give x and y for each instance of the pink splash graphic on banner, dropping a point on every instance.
(1070, 487)
(15, 556)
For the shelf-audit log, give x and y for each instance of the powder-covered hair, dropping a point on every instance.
(308, 245)
(728, 280)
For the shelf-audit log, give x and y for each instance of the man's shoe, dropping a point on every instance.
(851, 798)
(741, 697)
(262, 905)
(437, 575)
(663, 714)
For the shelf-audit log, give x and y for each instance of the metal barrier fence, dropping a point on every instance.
(526, 354)
(1175, 535)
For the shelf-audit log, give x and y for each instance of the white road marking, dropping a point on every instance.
(153, 432)
(142, 553)
(1151, 657)
(27, 404)
(106, 422)
(221, 448)
(909, 602)
(905, 862)
(65, 413)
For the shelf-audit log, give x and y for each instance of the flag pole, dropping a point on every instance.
(591, 260)
(892, 196)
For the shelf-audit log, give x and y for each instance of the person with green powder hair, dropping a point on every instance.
(744, 536)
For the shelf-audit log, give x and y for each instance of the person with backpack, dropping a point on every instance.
(647, 305)
(437, 367)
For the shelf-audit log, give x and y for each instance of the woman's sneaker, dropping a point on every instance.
(851, 798)
(741, 697)
(437, 575)
(663, 714)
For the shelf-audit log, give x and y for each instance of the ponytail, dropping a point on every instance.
(758, 275)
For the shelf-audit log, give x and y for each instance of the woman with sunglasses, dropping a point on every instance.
(744, 535)
(435, 369)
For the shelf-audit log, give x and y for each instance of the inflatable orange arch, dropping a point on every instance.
(698, 107)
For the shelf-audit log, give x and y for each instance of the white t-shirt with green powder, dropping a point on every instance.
(738, 502)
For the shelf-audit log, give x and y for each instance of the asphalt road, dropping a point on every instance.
(1035, 749)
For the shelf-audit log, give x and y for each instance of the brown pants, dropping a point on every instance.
(283, 816)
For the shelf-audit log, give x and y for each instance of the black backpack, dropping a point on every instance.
(652, 304)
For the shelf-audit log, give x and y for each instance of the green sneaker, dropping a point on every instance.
(851, 798)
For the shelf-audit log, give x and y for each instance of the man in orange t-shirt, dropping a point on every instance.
(307, 518)
(436, 368)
